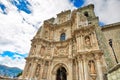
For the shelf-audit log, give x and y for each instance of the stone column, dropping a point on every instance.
(33, 69)
(25, 70)
(77, 72)
(82, 43)
(77, 44)
(95, 39)
(70, 50)
(80, 65)
(92, 39)
(38, 48)
(42, 69)
(85, 67)
(70, 76)
(77, 20)
(53, 50)
(49, 71)
(99, 67)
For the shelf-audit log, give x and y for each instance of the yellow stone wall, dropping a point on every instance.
(112, 31)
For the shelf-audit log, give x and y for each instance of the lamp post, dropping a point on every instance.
(110, 43)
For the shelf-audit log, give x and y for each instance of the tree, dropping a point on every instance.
(19, 74)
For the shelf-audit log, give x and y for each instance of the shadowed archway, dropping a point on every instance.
(61, 74)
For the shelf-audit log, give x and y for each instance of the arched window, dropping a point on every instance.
(61, 74)
(86, 14)
(62, 37)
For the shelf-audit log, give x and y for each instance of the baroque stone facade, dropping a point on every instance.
(70, 47)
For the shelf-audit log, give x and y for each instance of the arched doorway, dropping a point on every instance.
(61, 74)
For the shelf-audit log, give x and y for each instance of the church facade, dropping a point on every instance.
(72, 46)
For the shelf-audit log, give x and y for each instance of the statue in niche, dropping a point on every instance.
(92, 67)
(42, 51)
(82, 20)
(45, 71)
(87, 42)
(37, 70)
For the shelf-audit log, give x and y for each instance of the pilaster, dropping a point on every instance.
(84, 57)
(99, 66)
(33, 69)
(81, 68)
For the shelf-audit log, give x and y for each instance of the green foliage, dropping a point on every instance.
(19, 74)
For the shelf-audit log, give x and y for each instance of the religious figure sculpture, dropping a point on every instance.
(87, 42)
(42, 51)
(38, 70)
(92, 67)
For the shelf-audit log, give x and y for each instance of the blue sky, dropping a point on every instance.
(20, 20)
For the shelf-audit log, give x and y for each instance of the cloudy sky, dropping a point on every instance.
(20, 20)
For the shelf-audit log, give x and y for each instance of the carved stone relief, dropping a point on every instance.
(44, 75)
(87, 42)
(82, 20)
(42, 51)
(92, 70)
(37, 73)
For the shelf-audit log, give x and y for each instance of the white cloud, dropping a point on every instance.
(107, 10)
(17, 62)
(15, 33)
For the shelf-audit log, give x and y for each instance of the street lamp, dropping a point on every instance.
(110, 43)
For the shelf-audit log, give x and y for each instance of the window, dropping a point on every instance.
(86, 14)
(62, 37)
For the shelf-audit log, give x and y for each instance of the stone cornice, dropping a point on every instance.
(37, 59)
(68, 40)
(63, 13)
(89, 52)
(68, 22)
(86, 7)
(95, 54)
(82, 30)
(39, 40)
(111, 26)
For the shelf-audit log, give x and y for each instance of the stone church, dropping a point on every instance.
(73, 46)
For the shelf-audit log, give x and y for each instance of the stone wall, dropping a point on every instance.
(112, 31)
(114, 73)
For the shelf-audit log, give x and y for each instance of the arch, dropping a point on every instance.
(92, 69)
(62, 37)
(57, 66)
(61, 74)
(86, 14)
(42, 50)
(87, 40)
